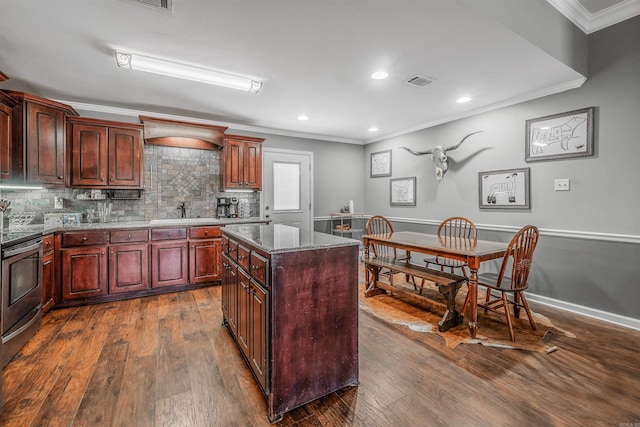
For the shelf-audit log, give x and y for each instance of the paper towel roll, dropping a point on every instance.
(351, 209)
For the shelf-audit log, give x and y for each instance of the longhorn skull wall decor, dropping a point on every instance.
(439, 155)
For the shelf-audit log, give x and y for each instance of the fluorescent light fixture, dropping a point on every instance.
(463, 99)
(302, 117)
(379, 75)
(20, 187)
(373, 129)
(187, 72)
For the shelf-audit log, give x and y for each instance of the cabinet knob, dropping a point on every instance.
(102, 253)
(206, 232)
(60, 177)
(169, 234)
(129, 236)
(102, 179)
(84, 239)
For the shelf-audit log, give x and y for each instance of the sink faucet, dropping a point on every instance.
(183, 210)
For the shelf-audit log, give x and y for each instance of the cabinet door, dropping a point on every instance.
(225, 287)
(84, 272)
(244, 312)
(48, 280)
(258, 333)
(125, 158)
(204, 260)
(233, 298)
(252, 169)
(5, 142)
(45, 142)
(128, 268)
(233, 164)
(88, 155)
(169, 263)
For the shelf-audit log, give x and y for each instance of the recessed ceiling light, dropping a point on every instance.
(379, 75)
(303, 117)
(463, 99)
(373, 129)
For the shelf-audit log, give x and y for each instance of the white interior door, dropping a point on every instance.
(287, 187)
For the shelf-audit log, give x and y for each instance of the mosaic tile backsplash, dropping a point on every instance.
(171, 176)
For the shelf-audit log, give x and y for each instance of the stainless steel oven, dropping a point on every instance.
(21, 294)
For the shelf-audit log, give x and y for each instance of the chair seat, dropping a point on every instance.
(488, 280)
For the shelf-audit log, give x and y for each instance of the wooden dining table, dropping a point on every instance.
(471, 251)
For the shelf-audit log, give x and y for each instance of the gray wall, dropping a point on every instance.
(590, 248)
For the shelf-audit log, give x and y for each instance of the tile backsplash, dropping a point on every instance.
(171, 176)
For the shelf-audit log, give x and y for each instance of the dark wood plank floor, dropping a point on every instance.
(167, 361)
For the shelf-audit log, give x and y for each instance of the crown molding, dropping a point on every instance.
(591, 22)
(235, 126)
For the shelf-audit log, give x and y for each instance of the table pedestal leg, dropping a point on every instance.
(473, 298)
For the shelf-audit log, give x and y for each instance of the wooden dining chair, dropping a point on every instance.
(463, 231)
(517, 260)
(379, 225)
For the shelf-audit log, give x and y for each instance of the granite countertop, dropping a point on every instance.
(275, 238)
(174, 222)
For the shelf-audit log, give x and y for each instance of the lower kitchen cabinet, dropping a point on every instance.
(230, 293)
(296, 322)
(204, 254)
(128, 267)
(169, 264)
(48, 273)
(84, 272)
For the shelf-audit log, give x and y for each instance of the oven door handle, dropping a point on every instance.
(25, 326)
(12, 252)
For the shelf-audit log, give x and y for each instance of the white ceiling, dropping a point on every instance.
(314, 57)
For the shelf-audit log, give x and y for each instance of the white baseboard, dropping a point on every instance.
(628, 322)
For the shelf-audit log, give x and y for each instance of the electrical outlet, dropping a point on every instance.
(58, 203)
(562, 184)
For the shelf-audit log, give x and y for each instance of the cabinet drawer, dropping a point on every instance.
(84, 238)
(128, 236)
(232, 249)
(47, 243)
(259, 268)
(243, 258)
(169, 233)
(204, 232)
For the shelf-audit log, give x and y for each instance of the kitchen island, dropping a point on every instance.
(290, 301)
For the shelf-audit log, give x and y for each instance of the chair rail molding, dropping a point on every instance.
(572, 234)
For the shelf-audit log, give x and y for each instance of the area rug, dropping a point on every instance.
(492, 328)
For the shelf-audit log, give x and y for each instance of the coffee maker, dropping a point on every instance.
(223, 206)
(233, 208)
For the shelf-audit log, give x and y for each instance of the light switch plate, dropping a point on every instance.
(562, 184)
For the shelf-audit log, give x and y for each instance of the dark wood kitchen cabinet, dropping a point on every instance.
(6, 132)
(242, 167)
(39, 140)
(105, 154)
(205, 251)
(48, 273)
(169, 257)
(84, 260)
(297, 310)
(128, 260)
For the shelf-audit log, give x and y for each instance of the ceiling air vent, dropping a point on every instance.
(418, 80)
(164, 5)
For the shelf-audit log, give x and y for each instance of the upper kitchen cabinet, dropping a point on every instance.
(105, 154)
(6, 106)
(242, 162)
(37, 151)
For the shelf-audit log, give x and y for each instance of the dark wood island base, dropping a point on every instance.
(290, 300)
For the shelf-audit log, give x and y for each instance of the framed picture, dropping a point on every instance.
(381, 164)
(403, 191)
(560, 136)
(504, 189)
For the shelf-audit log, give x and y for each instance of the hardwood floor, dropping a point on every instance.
(166, 360)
